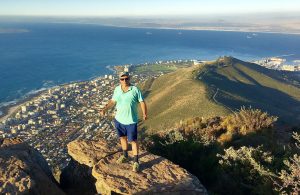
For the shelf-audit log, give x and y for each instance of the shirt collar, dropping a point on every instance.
(129, 88)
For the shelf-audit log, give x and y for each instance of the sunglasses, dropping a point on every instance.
(124, 79)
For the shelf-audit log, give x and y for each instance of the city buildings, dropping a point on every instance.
(61, 114)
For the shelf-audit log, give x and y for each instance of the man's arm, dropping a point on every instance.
(144, 109)
(109, 105)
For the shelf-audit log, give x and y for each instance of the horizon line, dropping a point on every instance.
(154, 15)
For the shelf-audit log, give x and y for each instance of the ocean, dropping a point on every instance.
(42, 55)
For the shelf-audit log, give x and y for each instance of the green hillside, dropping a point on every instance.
(219, 87)
(241, 83)
(176, 96)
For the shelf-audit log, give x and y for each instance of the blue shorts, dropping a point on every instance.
(126, 130)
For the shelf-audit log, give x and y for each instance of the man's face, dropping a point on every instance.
(124, 80)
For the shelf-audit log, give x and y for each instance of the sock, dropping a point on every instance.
(125, 153)
(136, 158)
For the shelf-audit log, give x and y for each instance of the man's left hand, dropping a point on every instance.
(145, 117)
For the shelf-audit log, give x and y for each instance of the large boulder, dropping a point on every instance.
(157, 175)
(24, 170)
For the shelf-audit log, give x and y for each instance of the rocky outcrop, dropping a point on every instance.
(157, 175)
(24, 170)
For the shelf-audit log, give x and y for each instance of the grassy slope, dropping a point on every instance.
(188, 93)
(241, 83)
(177, 96)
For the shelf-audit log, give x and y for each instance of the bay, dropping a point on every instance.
(42, 55)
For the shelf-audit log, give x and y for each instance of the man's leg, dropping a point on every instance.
(121, 131)
(124, 145)
(135, 148)
(135, 151)
(132, 138)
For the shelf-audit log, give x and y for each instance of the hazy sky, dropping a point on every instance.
(143, 7)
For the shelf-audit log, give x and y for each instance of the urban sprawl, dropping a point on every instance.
(277, 63)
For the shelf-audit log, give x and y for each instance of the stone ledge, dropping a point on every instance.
(157, 175)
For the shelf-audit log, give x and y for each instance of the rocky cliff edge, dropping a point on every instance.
(92, 170)
(157, 175)
(23, 170)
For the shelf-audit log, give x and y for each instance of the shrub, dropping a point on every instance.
(224, 129)
(195, 145)
(255, 169)
(289, 178)
(248, 166)
(196, 157)
(247, 121)
(225, 137)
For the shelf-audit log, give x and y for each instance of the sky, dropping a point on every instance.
(143, 7)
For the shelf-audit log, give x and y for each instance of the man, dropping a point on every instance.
(126, 97)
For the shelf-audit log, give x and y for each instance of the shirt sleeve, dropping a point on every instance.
(140, 96)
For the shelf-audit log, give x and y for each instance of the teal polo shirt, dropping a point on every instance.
(126, 103)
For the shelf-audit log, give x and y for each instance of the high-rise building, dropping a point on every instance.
(13, 131)
(23, 108)
(126, 68)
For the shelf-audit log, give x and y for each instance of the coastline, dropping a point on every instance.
(212, 29)
(10, 109)
(217, 29)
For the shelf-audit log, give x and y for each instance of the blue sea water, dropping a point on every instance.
(55, 53)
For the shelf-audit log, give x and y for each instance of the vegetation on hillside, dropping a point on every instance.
(289, 177)
(224, 129)
(250, 162)
(244, 122)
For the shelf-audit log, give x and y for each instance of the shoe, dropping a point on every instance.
(136, 167)
(122, 159)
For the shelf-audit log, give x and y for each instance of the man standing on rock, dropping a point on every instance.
(126, 97)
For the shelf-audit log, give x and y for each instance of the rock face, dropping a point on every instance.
(157, 175)
(77, 179)
(24, 170)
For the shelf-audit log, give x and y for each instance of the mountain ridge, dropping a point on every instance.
(225, 85)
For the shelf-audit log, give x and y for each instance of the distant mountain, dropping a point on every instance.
(265, 22)
(220, 87)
